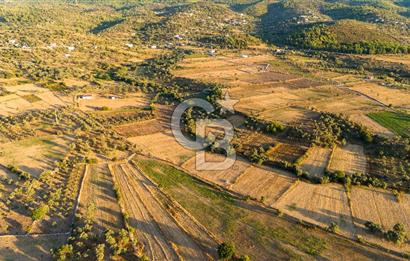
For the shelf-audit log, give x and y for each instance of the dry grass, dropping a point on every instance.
(349, 159)
(381, 207)
(17, 101)
(220, 177)
(163, 146)
(318, 204)
(397, 98)
(266, 185)
(316, 162)
(98, 191)
(159, 231)
(138, 100)
(34, 155)
(29, 248)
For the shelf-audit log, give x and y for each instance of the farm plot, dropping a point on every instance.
(220, 177)
(266, 185)
(289, 115)
(163, 146)
(29, 248)
(349, 159)
(34, 155)
(380, 207)
(316, 162)
(286, 152)
(98, 192)
(372, 125)
(97, 102)
(26, 97)
(395, 97)
(282, 97)
(318, 204)
(139, 128)
(395, 121)
(347, 104)
(162, 236)
(232, 71)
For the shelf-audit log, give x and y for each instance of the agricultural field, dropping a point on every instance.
(382, 208)
(25, 97)
(154, 144)
(247, 222)
(34, 155)
(98, 192)
(319, 205)
(350, 159)
(224, 178)
(316, 162)
(160, 232)
(90, 168)
(396, 98)
(265, 185)
(397, 122)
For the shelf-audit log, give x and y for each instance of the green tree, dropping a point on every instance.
(226, 250)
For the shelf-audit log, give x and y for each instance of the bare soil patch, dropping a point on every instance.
(34, 155)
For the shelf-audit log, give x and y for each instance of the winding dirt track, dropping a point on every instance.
(162, 237)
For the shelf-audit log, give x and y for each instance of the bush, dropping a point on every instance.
(40, 212)
(244, 258)
(226, 250)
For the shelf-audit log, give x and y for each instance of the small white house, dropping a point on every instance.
(153, 47)
(129, 45)
(244, 56)
(70, 48)
(85, 97)
(112, 97)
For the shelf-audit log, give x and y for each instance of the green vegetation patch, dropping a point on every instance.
(395, 121)
(31, 98)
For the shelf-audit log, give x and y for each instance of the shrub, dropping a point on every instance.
(226, 250)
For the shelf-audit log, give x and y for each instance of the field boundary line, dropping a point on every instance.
(350, 205)
(331, 157)
(289, 190)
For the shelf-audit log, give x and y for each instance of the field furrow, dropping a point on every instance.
(156, 246)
